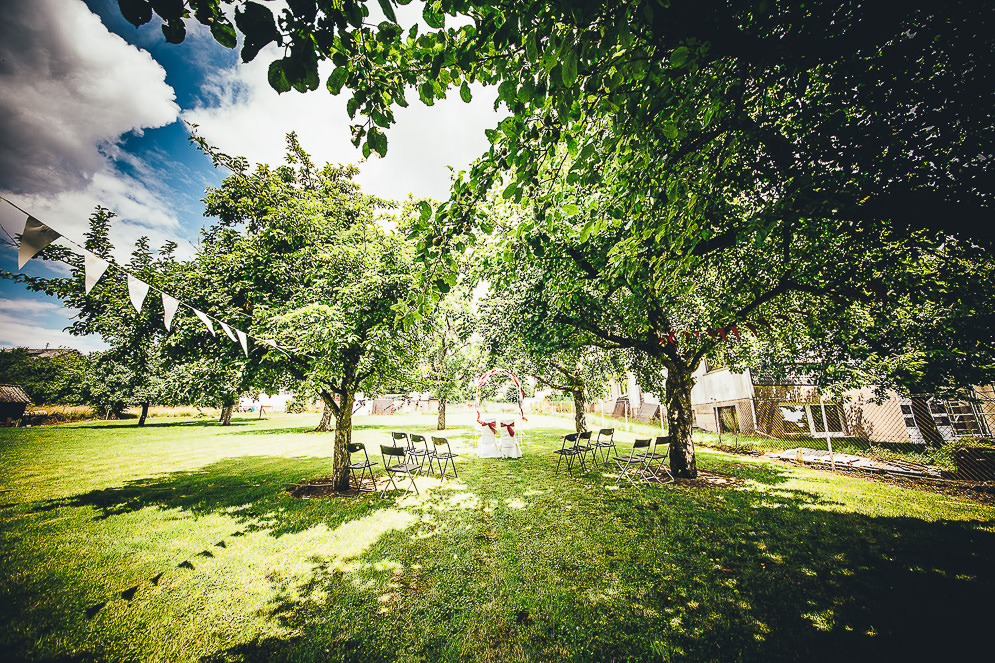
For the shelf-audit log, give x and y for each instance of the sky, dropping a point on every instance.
(95, 111)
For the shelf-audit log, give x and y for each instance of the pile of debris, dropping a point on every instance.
(849, 461)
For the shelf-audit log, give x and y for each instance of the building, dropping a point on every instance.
(13, 400)
(755, 403)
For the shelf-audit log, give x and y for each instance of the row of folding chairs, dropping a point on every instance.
(576, 447)
(640, 467)
(406, 455)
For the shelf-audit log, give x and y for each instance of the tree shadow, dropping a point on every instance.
(167, 424)
(249, 489)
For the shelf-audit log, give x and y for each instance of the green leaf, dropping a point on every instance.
(679, 56)
(464, 93)
(388, 10)
(569, 70)
(426, 93)
(257, 24)
(136, 12)
(531, 48)
(224, 33)
(434, 19)
(174, 31)
(277, 79)
(378, 141)
(570, 209)
(586, 232)
(337, 79)
(509, 192)
(669, 130)
(425, 209)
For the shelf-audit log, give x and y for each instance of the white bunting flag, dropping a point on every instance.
(137, 291)
(36, 236)
(169, 305)
(206, 320)
(228, 332)
(93, 268)
(243, 340)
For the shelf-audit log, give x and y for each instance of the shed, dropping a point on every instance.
(13, 400)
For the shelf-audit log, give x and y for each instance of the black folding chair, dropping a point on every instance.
(634, 464)
(400, 439)
(569, 452)
(444, 455)
(603, 445)
(585, 445)
(656, 461)
(421, 453)
(395, 463)
(365, 466)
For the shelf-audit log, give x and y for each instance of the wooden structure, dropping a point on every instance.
(13, 400)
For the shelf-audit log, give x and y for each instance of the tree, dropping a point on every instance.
(305, 262)
(135, 337)
(449, 371)
(60, 378)
(662, 147)
(859, 110)
(518, 334)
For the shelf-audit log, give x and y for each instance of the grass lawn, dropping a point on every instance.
(178, 542)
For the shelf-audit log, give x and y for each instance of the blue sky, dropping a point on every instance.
(95, 111)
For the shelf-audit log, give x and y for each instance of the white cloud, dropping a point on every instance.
(247, 118)
(28, 323)
(71, 89)
(19, 334)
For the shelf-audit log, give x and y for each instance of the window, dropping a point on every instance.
(728, 421)
(806, 419)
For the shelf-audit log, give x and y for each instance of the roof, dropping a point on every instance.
(11, 393)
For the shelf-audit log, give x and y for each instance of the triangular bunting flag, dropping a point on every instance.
(206, 320)
(243, 340)
(169, 305)
(93, 268)
(227, 331)
(137, 291)
(751, 327)
(722, 332)
(36, 236)
(735, 330)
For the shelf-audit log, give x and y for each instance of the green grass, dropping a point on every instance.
(511, 562)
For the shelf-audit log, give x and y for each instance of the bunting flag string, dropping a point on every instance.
(93, 268)
(206, 320)
(137, 290)
(717, 332)
(37, 235)
(169, 306)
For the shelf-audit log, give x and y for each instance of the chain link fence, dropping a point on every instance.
(917, 435)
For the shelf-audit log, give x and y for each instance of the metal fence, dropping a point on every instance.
(921, 434)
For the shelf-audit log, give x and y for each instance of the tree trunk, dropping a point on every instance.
(580, 410)
(679, 419)
(226, 410)
(343, 437)
(145, 414)
(325, 424)
(441, 424)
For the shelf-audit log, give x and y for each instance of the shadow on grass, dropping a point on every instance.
(250, 489)
(672, 574)
(167, 424)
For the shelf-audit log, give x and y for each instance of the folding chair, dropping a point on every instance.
(366, 467)
(399, 466)
(605, 445)
(400, 439)
(444, 457)
(656, 461)
(585, 445)
(635, 458)
(569, 452)
(423, 453)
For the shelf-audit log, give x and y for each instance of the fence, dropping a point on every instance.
(920, 434)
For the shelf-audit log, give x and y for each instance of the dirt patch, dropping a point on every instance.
(707, 479)
(322, 488)
(982, 492)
